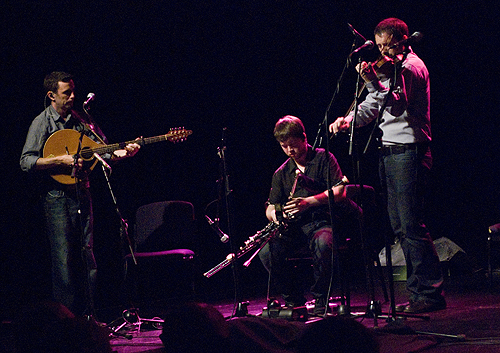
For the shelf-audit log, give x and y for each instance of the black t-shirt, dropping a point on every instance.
(313, 181)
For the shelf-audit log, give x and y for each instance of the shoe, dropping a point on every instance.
(401, 307)
(319, 306)
(425, 306)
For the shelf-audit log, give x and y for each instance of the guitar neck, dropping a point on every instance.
(118, 146)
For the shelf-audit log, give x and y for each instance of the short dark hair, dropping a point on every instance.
(393, 26)
(51, 81)
(287, 127)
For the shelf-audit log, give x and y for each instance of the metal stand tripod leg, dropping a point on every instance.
(131, 317)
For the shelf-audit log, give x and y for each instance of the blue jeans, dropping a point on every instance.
(321, 247)
(317, 237)
(70, 235)
(404, 176)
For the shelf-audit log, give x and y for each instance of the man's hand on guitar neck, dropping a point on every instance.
(129, 151)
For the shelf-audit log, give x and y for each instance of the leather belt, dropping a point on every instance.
(397, 149)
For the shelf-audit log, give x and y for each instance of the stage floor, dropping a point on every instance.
(470, 323)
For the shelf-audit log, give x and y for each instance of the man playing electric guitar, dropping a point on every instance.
(67, 209)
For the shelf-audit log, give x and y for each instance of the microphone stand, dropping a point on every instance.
(373, 306)
(324, 124)
(97, 133)
(342, 309)
(239, 309)
(124, 234)
(90, 309)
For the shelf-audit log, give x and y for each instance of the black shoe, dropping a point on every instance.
(425, 306)
(319, 306)
(401, 307)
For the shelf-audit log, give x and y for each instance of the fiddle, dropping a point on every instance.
(382, 68)
(384, 65)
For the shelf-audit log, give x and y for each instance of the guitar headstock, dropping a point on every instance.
(178, 134)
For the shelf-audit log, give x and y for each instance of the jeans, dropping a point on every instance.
(321, 247)
(70, 234)
(403, 176)
(317, 237)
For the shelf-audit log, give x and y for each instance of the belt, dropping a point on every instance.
(397, 149)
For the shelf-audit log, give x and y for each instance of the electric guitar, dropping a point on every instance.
(68, 141)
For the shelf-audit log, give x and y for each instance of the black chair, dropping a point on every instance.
(162, 266)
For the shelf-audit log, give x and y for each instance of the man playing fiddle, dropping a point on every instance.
(405, 156)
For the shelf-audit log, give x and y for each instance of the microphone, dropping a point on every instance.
(356, 33)
(223, 236)
(90, 98)
(100, 159)
(414, 38)
(367, 46)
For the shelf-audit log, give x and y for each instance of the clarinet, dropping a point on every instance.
(259, 238)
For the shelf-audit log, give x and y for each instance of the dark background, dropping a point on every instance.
(209, 65)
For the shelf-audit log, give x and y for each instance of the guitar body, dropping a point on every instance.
(66, 142)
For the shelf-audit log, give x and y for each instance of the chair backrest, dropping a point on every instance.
(164, 225)
(361, 194)
(374, 221)
(364, 196)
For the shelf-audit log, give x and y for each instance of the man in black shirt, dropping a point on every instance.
(300, 196)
